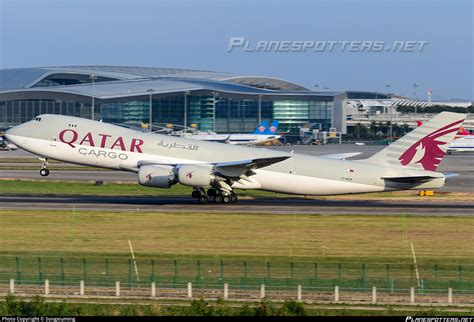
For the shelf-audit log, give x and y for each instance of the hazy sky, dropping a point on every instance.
(195, 34)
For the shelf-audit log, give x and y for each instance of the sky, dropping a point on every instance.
(196, 35)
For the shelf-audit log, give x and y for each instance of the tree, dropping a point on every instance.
(360, 131)
(374, 126)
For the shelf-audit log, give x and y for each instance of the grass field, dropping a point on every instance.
(341, 238)
(49, 187)
(283, 248)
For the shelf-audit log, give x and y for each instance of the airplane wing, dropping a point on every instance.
(233, 170)
(410, 179)
(241, 169)
(340, 156)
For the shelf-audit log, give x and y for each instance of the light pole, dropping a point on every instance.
(93, 78)
(215, 94)
(150, 105)
(387, 86)
(186, 110)
(259, 109)
(416, 98)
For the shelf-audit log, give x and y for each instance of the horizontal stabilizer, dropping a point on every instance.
(410, 179)
(450, 175)
(340, 156)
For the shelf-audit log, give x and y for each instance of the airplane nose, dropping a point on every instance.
(11, 133)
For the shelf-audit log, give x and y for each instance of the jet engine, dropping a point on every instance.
(156, 176)
(195, 175)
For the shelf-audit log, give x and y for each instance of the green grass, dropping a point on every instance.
(259, 246)
(236, 236)
(51, 187)
(25, 160)
(24, 187)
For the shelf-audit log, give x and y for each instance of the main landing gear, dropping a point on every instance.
(200, 195)
(44, 172)
(219, 195)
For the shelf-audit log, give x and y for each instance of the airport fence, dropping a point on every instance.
(205, 273)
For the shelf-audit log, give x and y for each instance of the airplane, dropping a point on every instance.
(463, 141)
(162, 161)
(262, 134)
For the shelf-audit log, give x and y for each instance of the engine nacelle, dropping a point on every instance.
(156, 176)
(195, 175)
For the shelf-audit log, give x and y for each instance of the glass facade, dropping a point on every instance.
(291, 114)
(241, 115)
(321, 112)
(16, 112)
(206, 111)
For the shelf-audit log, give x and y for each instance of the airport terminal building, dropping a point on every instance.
(209, 101)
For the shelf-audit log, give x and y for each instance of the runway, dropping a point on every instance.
(251, 206)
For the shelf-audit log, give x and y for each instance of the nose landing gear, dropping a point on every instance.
(44, 172)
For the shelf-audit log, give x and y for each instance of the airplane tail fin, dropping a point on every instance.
(261, 128)
(424, 147)
(273, 128)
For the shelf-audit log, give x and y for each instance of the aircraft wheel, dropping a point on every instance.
(218, 198)
(203, 200)
(233, 197)
(195, 194)
(226, 199)
(44, 172)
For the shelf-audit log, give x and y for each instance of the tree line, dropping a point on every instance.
(381, 130)
(435, 109)
(378, 130)
(12, 306)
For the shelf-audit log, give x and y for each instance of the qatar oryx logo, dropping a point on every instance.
(427, 150)
(189, 174)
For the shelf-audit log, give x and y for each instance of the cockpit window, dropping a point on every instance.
(38, 119)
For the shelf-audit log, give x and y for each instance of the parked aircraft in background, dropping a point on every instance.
(215, 170)
(262, 134)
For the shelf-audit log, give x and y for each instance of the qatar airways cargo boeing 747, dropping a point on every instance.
(215, 170)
